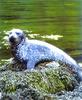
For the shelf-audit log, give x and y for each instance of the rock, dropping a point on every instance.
(38, 84)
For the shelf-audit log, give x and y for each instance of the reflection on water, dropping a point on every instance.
(46, 18)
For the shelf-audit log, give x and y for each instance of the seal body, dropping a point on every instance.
(31, 52)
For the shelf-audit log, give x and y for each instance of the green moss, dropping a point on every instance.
(47, 80)
(36, 84)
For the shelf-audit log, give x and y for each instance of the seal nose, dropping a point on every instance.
(12, 39)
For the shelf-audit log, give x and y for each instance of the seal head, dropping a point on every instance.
(16, 36)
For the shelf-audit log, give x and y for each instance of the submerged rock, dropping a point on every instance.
(39, 84)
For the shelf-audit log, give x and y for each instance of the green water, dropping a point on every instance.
(44, 17)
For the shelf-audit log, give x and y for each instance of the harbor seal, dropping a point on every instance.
(31, 52)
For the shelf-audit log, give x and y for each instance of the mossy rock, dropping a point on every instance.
(37, 83)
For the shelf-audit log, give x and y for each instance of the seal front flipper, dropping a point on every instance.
(30, 65)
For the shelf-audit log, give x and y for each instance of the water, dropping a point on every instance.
(55, 21)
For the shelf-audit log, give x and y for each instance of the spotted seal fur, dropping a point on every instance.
(31, 52)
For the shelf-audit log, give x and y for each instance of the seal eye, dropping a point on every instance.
(17, 33)
(10, 33)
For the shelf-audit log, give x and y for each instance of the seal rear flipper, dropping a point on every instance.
(79, 74)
